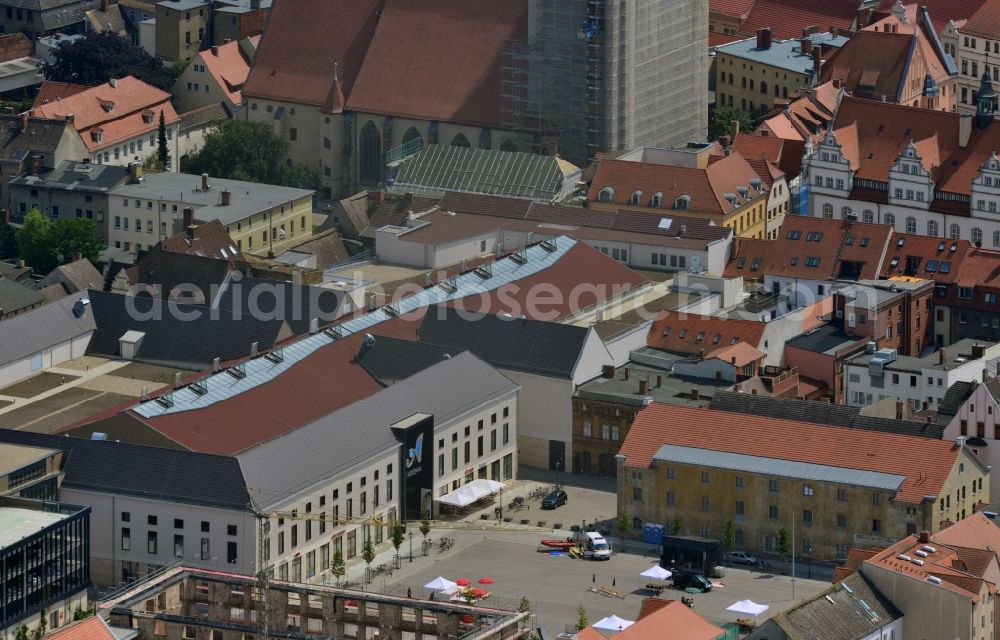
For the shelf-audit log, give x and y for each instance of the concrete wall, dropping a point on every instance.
(181, 34)
(980, 408)
(62, 204)
(54, 356)
(106, 523)
(197, 87)
(137, 148)
(545, 413)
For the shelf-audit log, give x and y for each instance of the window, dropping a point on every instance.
(205, 526)
(231, 552)
(772, 485)
(705, 504)
(977, 233)
(807, 490)
(671, 498)
(126, 539)
(876, 526)
(740, 508)
(911, 224)
(827, 210)
(151, 542)
(178, 546)
(842, 495)
(151, 521)
(740, 481)
(841, 521)
(772, 512)
(876, 499)
(704, 477)
(954, 232)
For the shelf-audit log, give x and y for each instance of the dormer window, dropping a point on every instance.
(683, 334)
(107, 105)
(656, 200)
(635, 198)
(683, 202)
(606, 194)
(97, 135)
(147, 116)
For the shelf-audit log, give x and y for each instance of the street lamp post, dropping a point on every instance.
(559, 464)
(411, 545)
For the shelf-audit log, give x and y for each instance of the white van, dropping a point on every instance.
(594, 546)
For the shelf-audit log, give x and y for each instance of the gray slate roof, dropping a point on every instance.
(532, 346)
(14, 296)
(121, 468)
(819, 413)
(835, 614)
(390, 360)
(77, 176)
(294, 463)
(172, 336)
(27, 334)
(438, 168)
(56, 14)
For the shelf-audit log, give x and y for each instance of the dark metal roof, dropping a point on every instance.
(176, 273)
(169, 475)
(955, 397)
(825, 413)
(532, 346)
(78, 176)
(389, 360)
(40, 329)
(296, 304)
(14, 296)
(176, 334)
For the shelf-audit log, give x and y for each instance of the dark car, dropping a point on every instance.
(556, 498)
(688, 579)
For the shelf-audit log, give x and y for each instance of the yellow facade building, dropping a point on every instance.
(832, 488)
(692, 182)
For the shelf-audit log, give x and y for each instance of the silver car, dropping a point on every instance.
(742, 557)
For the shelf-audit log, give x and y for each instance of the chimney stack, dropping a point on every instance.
(113, 82)
(215, 50)
(104, 6)
(899, 409)
(942, 356)
(806, 45)
(834, 32)
(135, 171)
(643, 386)
(608, 371)
(694, 393)
(764, 38)
(71, 119)
(659, 381)
(36, 164)
(204, 182)
(817, 60)
(24, 121)
(226, 197)
(188, 217)
(626, 373)
(925, 537)
(734, 130)
(376, 197)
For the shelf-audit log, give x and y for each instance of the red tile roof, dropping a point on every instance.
(14, 46)
(706, 187)
(926, 248)
(941, 10)
(944, 562)
(740, 354)
(753, 146)
(412, 70)
(731, 8)
(323, 382)
(207, 239)
(673, 620)
(678, 332)
(579, 280)
(306, 43)
(229, 67)
(985, 22)
(787, 18)
(925, 463)
(116, 110)
(806, 116)
(804, 238)
(871, 63)
(50, 91)
(92, 628)
(717, 39)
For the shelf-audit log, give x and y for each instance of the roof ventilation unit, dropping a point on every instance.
(276, 356)
(904, 557)
(934, 579)
(238, 371)
(167, 399)
(334, 333)
(484, 271)
(549, 245)
(921, 553)
(200, 387)
(929, 549)
(520, 257)
(450, 285)
(918, 562)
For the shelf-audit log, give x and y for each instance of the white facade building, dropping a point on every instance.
(873, 377)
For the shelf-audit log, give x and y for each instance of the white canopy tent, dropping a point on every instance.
(461, 497)
(485, 486)
(656, 572)
(440, 584)
(747, 607)
(613, 623)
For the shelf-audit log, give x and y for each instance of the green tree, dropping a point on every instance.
(723, 120)
(34, 241)
(425, 527)
(99, 57)
(178, 66)
(621, 523)
(22, 633)
(244, 150)
(39, 631)
(45, 245)
(525, 605)
(581, 618)
(337, 566)
(162, 152)
(8, 241)
(783, 545)
(729, 536)
(398, 535)
(675, 526)
(368, 555)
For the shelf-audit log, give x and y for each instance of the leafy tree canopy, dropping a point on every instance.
(243, 150)
(99, 57)
(722, 121)
(45, 245)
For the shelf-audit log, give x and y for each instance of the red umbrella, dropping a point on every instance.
(479, 593)
(486, 580)
(462, 582)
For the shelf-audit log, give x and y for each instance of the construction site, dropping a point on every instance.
(182, 603)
